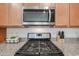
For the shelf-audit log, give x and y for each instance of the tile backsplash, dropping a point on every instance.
(22, 32)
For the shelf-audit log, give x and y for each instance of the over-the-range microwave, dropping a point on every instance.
(38, 16)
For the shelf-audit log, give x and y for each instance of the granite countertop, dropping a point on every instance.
(69, 46)
(9, 49)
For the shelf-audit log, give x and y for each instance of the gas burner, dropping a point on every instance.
(42, 48)
(39, 45)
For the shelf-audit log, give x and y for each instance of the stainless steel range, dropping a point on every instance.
(39, 44)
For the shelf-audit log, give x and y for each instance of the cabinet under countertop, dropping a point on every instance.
(2, 34)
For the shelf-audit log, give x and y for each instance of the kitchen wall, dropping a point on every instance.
(22, 32)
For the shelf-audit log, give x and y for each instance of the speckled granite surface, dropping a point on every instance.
(70, 47)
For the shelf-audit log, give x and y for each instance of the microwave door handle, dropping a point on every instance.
(49, 15)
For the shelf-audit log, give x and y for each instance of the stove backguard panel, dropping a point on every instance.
(39, 36)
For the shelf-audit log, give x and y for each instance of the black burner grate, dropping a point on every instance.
(39, 48)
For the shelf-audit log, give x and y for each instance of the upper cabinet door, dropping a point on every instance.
(15, 14)
(3, 14)
(31, 4)
(39, 5)
(62, 14)
(74, 14)
(49, 5)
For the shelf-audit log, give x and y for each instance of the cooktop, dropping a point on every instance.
(39, 44)
(38, 47)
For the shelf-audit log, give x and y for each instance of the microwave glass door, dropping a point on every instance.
(35, 15)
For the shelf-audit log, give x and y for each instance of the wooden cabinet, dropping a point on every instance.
(39, 5)
(65, 14)
(74, 14)
(15, 14)
(31, 4)
(2, 34)
(49, 5)
(3, 14)
(62, 14)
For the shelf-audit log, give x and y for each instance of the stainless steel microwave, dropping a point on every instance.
(38, 16)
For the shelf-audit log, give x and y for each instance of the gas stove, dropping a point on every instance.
(39, 47)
